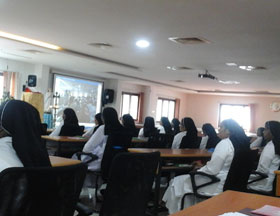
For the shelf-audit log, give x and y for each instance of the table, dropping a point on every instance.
(60, 161)
(175, 153)
(72, 144)
(229, 201)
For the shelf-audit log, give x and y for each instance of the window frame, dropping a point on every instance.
(242, 105)
(138, 105)
(167, 99)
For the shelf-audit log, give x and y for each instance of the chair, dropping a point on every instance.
(237, 177)
(129, 184)
(160, 141)
(40, 191)
(262, 176)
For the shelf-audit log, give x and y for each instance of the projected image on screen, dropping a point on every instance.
(84, 96)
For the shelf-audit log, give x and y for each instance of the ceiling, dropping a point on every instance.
(245, 32)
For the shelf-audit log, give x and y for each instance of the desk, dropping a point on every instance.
(72, 144)
(277, 191)
(229, 201)
(175, 153)
(60, 161)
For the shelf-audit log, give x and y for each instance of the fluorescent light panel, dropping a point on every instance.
(28, 40)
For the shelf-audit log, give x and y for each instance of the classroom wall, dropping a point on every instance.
(205, 108)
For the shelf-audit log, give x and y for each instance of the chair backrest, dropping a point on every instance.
(44, 128)
(159, 141)
(240, 169)
(41, 191)
(130, 184)
(115, 144)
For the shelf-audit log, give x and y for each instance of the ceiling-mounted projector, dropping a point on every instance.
(207, 75)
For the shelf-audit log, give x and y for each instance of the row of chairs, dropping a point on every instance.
(55, 191)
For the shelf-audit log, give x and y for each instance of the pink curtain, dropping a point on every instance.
(10, 80)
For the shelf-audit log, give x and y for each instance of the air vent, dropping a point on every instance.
(191, 40)
(101, 45)
(260, 68)
(33, 51)
(178, 81)
(178, 68)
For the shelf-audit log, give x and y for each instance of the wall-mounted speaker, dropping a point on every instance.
(32, 80)
(108, 96)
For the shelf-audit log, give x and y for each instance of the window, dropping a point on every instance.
(83, 96)
(240, 113)
(130, 104)
(165, 108)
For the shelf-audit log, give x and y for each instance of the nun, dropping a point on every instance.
(210, 138)
(20, 136)
(269, 159)
(233, 139)
(190, 140)
(70, 125)
(149, 128)
(97, 142)
(129, 125)
(98, 122)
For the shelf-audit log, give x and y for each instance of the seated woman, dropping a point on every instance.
(269, 159)
(129, 125)
(98, 122)
(175, 123)
(178, 137)
(70, 125)
(260, 141)
(165, 126)
(20, 136)
(233, 139)
(210, 140)
(149, 128)
(97, 142)
(190, 140)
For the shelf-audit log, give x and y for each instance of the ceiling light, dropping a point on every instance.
(143, 43)
(231, 64)
(248, 68)
(28, 40)
(178, 68)
(229, 82)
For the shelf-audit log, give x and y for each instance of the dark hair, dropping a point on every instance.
(190, 140)
(111, 121)
(70, 116)
(98, 118)
(274, 127)
(213, 139)
(149, 127)
(237, 135)
(129, 124)
(176, 126)
(22, 122)
(260, 130)
(166, 124)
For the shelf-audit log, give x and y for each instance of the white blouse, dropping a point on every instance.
(203, 142)
(96, 145)
(8, 156)
(178, 139)
(257, 142)
(57, 130)
(268, 163)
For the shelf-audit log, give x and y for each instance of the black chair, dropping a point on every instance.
(115, 144)
(261, 176)
(41, 191)
(130, 184)
(160, 141)
(237, 177)
(44, 128)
